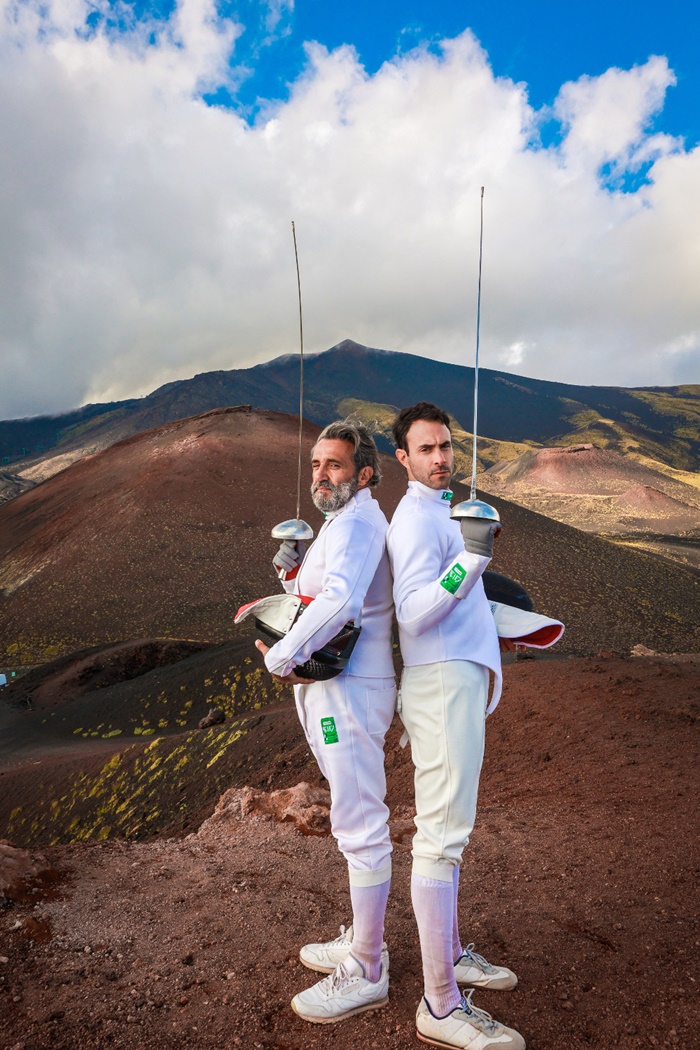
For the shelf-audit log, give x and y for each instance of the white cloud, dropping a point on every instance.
(147, 236)
(277, 16)
(606, 117)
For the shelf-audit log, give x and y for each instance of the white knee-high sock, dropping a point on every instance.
(456, 942)
(368, 909)
(433, 903)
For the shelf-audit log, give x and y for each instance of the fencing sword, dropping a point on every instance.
(296, 529)
(473, 507)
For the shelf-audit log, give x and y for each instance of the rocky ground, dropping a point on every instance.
(581, 876)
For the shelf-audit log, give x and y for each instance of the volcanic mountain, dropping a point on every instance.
(166, 533)
(160, 535)
(662, 423)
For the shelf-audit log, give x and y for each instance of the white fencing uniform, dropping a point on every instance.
(345, 719)
(448, 644)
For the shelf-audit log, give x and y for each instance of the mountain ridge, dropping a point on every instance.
(663, 422)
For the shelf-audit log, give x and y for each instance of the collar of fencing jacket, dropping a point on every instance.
(442, 496)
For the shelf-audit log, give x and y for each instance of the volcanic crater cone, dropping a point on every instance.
(166, 533)
(163, 534)
(604, 492)
(647, 500)
(584, 469)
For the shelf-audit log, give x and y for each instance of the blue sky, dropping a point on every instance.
(543, 42)
(154, 156)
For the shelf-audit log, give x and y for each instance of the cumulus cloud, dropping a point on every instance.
(606, 117)
(147, 234)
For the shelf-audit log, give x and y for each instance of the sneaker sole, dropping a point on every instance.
(341, 1017)
(435, 1042)
(498, 984)
(439, 1042)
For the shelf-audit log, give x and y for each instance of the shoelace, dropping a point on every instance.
(336, 980)
(481, 1018)
(480, 961)
(342, 938)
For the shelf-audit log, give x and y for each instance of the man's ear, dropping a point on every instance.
(402, 456)
(364, 475)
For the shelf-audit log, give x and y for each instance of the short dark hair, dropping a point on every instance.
(364, 450)
(407, 416)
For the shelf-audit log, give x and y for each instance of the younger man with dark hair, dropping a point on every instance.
(448, 644)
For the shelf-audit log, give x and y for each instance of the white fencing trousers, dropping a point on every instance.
(345, 721)
(443, 707)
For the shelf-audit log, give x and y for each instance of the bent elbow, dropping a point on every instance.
(344, 603)
(411, 626)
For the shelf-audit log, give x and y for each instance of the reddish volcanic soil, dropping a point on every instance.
(583, 469)
(648, 504)
(602, 492)
(648, 500)
(165, 534)
(580, 875)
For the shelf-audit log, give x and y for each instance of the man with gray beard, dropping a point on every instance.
(345, 719)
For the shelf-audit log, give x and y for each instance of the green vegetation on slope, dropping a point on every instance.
(127, 797)
(628, 438)
(142, 790)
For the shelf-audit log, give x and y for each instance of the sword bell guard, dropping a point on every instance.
(294, 529)
(474, 508)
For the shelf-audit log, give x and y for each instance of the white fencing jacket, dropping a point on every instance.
(434, 625)
(346, 572)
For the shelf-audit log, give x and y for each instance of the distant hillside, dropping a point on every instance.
(663, 423)
(585, 469)
(606, 493)
(639, 441)
(167, 533)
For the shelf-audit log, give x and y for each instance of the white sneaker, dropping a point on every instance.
(465, 1027)
(342, 994)
(474, 970)
(325, 957)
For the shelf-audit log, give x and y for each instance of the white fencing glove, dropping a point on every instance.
(478, 535)
(288, 559)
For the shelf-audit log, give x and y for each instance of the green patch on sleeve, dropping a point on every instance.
(452, 580)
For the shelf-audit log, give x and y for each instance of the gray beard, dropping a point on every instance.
(336, 498)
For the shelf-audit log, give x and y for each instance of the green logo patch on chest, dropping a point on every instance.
(330, 733)
(453, 579)
(446, 494)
